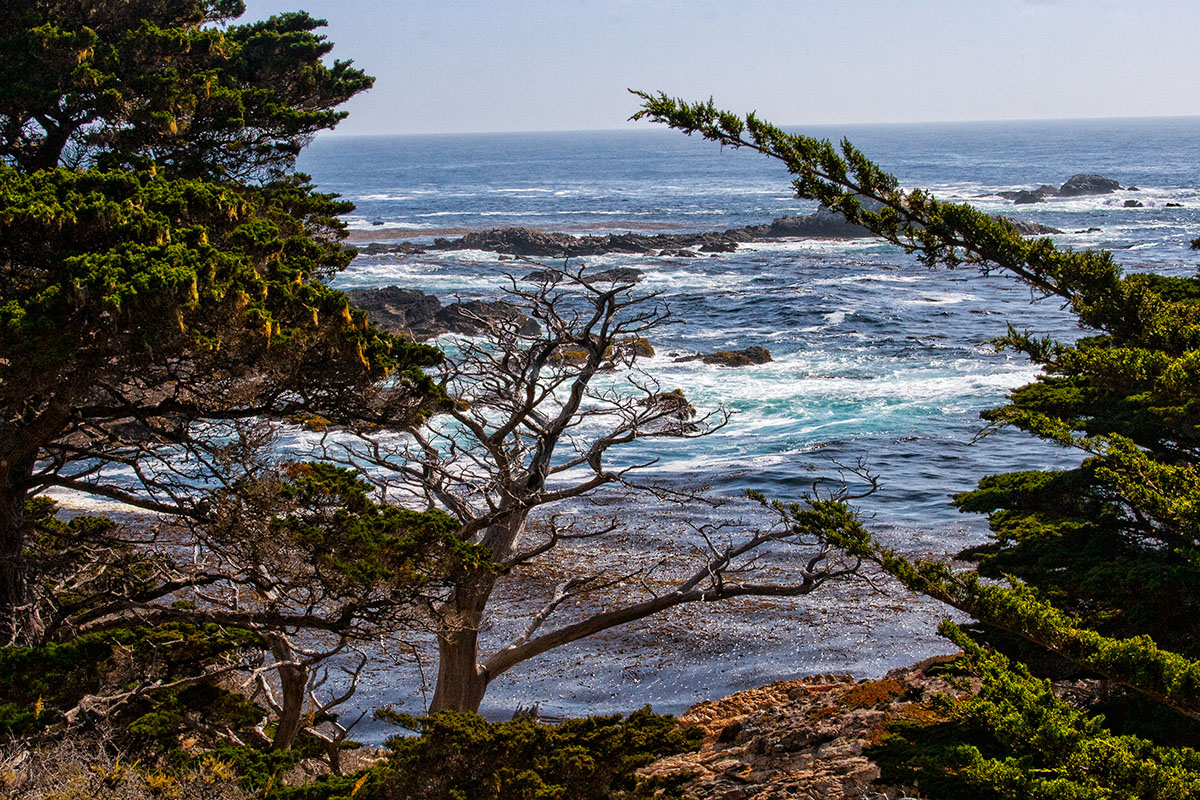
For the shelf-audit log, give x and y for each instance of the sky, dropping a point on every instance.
(457, 66)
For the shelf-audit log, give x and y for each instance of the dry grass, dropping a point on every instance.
(85, 769)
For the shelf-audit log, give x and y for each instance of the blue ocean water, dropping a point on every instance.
(875, 356)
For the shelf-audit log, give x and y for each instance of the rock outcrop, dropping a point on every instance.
(523, 242)
(821, 224)
(732, 358)
(614, 275)
(1024, 196)
(408, 312)
(1076, 186)
(802, 739)
(1082, 185)
(671, 404)
(1027, 228)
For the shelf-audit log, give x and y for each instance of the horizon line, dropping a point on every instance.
(652, 127)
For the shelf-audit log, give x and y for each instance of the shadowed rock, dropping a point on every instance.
(522, 242)
(409, 312)
(1083, 185)
(732, 358)
(671, 404)
(614, 275)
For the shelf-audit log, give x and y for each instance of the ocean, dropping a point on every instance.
(876, 358)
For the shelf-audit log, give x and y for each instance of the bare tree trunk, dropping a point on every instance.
(462, 680)
(293, 679)
(15, 622)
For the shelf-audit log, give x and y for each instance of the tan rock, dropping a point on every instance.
(803, 739)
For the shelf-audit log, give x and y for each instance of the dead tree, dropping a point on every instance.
(535, 421)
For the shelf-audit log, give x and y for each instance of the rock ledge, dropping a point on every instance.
(801, 739)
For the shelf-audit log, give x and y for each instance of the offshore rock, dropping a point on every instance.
(472, 317)
(802, 739)
(409, 312)
(397, 310)
(614, 275)
(822, 223)
(732, 358)
(626, 350)
(1027, 228)
(526, 243)
(1023, 196)
(671, 404)
(1081, 185)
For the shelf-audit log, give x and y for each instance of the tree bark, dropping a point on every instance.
(14, 613)
(293, 678)
(462, 680)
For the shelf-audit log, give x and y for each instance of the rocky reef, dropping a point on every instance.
(409, 312)
(1082, 185)
(523, 242)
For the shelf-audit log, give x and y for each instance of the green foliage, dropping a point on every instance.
(38, 685)
(460, 755)
(121, 273)
(338, 525)
(164, 310)
(1097, 565)
(258, 771)
(163, 275)
(164, 82)
(1016, 739)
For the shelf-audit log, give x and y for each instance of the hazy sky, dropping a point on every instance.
(517, 65)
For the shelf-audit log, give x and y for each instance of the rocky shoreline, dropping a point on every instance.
(804, 739)
(524, 242)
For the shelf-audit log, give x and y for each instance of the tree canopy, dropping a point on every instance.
(149, 291)
(164, 310)
(165, 82)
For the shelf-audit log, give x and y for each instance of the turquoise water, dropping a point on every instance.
(875, 356)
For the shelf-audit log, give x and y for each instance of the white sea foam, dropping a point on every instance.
(940, 299)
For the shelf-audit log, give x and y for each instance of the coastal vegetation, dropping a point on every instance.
(164, 313)
(166, 321)
(1091, 572)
